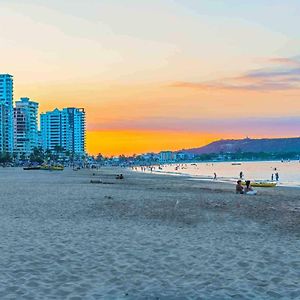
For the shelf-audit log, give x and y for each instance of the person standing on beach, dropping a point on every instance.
(272, 177)
(277, 176)
(241, 175)
(215, 176)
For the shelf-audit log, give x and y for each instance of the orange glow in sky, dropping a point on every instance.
(134, 142)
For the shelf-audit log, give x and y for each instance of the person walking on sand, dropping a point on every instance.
(215, 176)
(277, 176)
(241, 175)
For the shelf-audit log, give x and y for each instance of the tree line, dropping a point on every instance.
(38, 155)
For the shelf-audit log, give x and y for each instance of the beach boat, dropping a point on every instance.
(261, 184)
(236, 164)
(58, 168)
(52, 168)
(32, 168)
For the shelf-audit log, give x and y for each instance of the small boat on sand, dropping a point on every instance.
(52, 168)
(32, 168)
(261, 184)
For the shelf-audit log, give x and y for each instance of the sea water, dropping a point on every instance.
(289, 172)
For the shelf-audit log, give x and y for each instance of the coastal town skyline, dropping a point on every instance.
(211, 71)
(21, 135)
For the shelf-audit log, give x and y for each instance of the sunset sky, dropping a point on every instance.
(159, 74)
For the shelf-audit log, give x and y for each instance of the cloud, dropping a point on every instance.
(292, 61)
(246, 126)
(280, 74)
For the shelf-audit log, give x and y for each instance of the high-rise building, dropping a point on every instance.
(6, 113)
(25, 126)
(64, 128)
(51, 129)
(40, 140)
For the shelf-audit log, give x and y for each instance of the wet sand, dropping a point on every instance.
(144, 237)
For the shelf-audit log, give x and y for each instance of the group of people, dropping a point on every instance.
(276, 176)
(119, 176)
(248, 190)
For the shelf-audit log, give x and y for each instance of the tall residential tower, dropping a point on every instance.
(6, 113)
(25, 126)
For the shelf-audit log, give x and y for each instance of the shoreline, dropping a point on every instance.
(231, 180)
(228, 180)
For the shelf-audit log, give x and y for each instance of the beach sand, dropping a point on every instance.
(145, 237)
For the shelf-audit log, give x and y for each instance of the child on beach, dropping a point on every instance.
(248, 189)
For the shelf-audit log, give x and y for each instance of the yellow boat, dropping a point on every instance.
(52, 168)
(261, 184)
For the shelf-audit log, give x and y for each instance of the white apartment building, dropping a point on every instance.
(64, 128)
(25, 126)
(6, 113)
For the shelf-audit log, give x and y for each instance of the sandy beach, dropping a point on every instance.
(145, 237)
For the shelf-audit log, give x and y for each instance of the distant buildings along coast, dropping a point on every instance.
(19, 133)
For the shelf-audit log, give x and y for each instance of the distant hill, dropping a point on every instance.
(278, 145)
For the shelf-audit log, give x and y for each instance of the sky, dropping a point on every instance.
(160, 74)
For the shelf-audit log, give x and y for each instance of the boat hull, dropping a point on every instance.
(31, 168)
(50, 168)
(261, 184)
